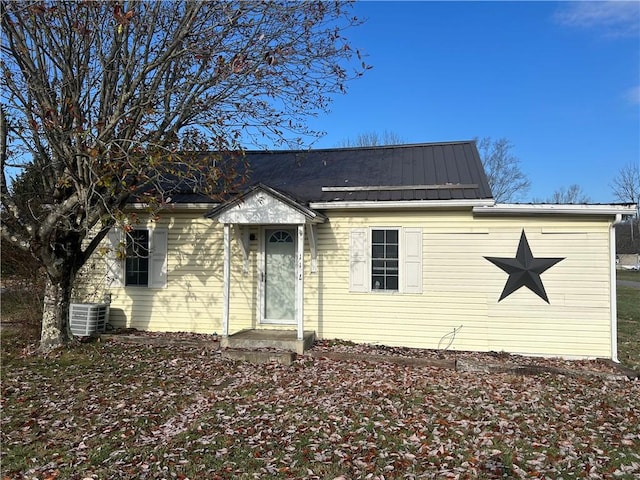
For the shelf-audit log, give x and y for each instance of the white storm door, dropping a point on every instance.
(279, 276)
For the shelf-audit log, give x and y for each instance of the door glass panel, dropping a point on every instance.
(280, 273)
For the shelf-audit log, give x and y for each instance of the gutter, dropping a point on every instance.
(554, 209)
(613, 290)
(405, 204)
(174, 206)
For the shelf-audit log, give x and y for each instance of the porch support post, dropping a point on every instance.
(300, 282)
(226, 281)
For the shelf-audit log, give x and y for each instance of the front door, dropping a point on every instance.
(279, 276)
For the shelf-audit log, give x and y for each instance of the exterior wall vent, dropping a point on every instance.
(85, 319)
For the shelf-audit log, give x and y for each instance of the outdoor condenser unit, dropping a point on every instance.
(86, 319)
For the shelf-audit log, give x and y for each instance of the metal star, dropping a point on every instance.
(524, 270)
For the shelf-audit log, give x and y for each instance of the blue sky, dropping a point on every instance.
(561, 81)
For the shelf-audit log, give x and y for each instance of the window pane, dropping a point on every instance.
(392, 236)
(377, 251)
(281, 236)
(377, 282)
(392, 251)
(138, 243)
(378, 266)
(392, 282)
(377, 236)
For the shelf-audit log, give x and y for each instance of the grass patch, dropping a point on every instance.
(629, 320)
(628, 275)
(629, 326)
(22, 304)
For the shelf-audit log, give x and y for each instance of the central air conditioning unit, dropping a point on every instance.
(85, 319)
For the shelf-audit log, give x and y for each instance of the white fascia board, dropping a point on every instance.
(175, 206)
(554, 209)
(377, 205)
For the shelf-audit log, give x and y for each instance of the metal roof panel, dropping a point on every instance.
(302, 174)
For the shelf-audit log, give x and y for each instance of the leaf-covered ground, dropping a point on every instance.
(114, 410)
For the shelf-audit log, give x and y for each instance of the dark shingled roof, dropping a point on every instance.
(429, 171)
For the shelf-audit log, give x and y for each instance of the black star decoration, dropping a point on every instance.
(524, 270)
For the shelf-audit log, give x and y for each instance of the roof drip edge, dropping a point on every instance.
(555, 209)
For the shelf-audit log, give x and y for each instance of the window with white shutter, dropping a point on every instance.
(145, 258)
(385, 259)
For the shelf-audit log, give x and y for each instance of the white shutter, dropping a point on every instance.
(412, 260)
(358, 272)
(115, 263)
(158, 258)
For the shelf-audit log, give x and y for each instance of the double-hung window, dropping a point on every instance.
(136, 262)
(385, 259)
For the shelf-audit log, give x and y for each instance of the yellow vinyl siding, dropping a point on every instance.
(192, 300)
(193, 290)
(460, 288)
(392, 318)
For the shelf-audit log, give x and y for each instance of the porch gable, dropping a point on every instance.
(262, 205)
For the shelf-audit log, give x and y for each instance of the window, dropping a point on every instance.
(136, 266)
(280, 236)
(137, 258)
(384, 259)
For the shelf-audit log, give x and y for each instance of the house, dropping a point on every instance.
(397, 245)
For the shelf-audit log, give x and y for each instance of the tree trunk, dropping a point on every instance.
(55, 316)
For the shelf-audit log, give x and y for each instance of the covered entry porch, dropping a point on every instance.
(284, 228)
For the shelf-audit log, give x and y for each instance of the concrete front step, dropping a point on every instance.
(285, 340)
(259, 357)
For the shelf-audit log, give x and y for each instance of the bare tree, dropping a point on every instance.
(626, 186)
(573, 194)
(105, 100)
(373, 139)
(626, 189)
(507, 181)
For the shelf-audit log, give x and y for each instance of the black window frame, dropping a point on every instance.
(136, 264)
(385, 259)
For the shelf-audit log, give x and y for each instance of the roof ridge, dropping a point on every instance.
(367, 147)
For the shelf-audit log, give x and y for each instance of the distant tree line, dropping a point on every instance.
(627, 237)
(506, 178)
(372, 139)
